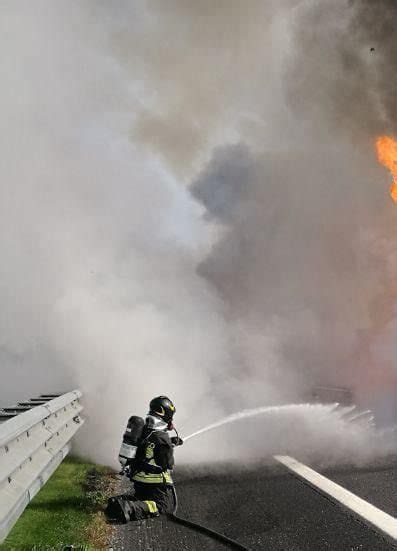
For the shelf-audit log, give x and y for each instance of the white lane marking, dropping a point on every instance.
(379, 519)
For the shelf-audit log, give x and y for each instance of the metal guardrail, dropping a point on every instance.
(32, 445)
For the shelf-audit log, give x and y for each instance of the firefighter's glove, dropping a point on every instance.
(176, 441)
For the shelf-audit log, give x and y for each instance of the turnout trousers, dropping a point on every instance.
(148, 500)
(151, 500)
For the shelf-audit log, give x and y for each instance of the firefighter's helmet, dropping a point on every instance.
(162, 407)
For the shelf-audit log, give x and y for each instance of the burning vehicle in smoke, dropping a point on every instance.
(329, 394)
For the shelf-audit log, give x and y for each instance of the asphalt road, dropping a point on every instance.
(377, 484)
(268, 508)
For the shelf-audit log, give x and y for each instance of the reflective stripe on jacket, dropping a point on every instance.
(148, 478)
(157, 446)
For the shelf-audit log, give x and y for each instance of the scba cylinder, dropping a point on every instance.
(131, 437)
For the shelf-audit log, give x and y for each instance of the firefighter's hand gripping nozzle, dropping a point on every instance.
(176, 441)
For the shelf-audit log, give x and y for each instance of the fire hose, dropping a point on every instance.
(200, 527)
(195, 525)
(128, 451)
(203, 529)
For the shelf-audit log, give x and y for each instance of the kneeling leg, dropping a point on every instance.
(142, 509)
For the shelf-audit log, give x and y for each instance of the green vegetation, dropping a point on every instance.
(67, 511)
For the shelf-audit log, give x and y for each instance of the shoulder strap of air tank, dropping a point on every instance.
(140, 457)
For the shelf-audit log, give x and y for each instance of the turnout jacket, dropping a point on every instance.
(154, 459)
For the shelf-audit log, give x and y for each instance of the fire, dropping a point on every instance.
(386, 148)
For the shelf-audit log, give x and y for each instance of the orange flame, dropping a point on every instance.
(386, 149)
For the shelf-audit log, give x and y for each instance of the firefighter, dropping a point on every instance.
(147, 457)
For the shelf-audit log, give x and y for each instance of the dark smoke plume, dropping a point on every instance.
(344, 65)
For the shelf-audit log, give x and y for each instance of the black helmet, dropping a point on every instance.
(163, 408)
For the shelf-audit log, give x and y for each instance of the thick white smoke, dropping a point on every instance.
(99, 241)
(175, 218)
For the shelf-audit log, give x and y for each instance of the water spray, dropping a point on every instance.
(333, 408)
(247, 413)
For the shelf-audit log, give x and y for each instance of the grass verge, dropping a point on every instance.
(66, 512)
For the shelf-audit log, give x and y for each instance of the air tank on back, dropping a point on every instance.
(131, 437)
